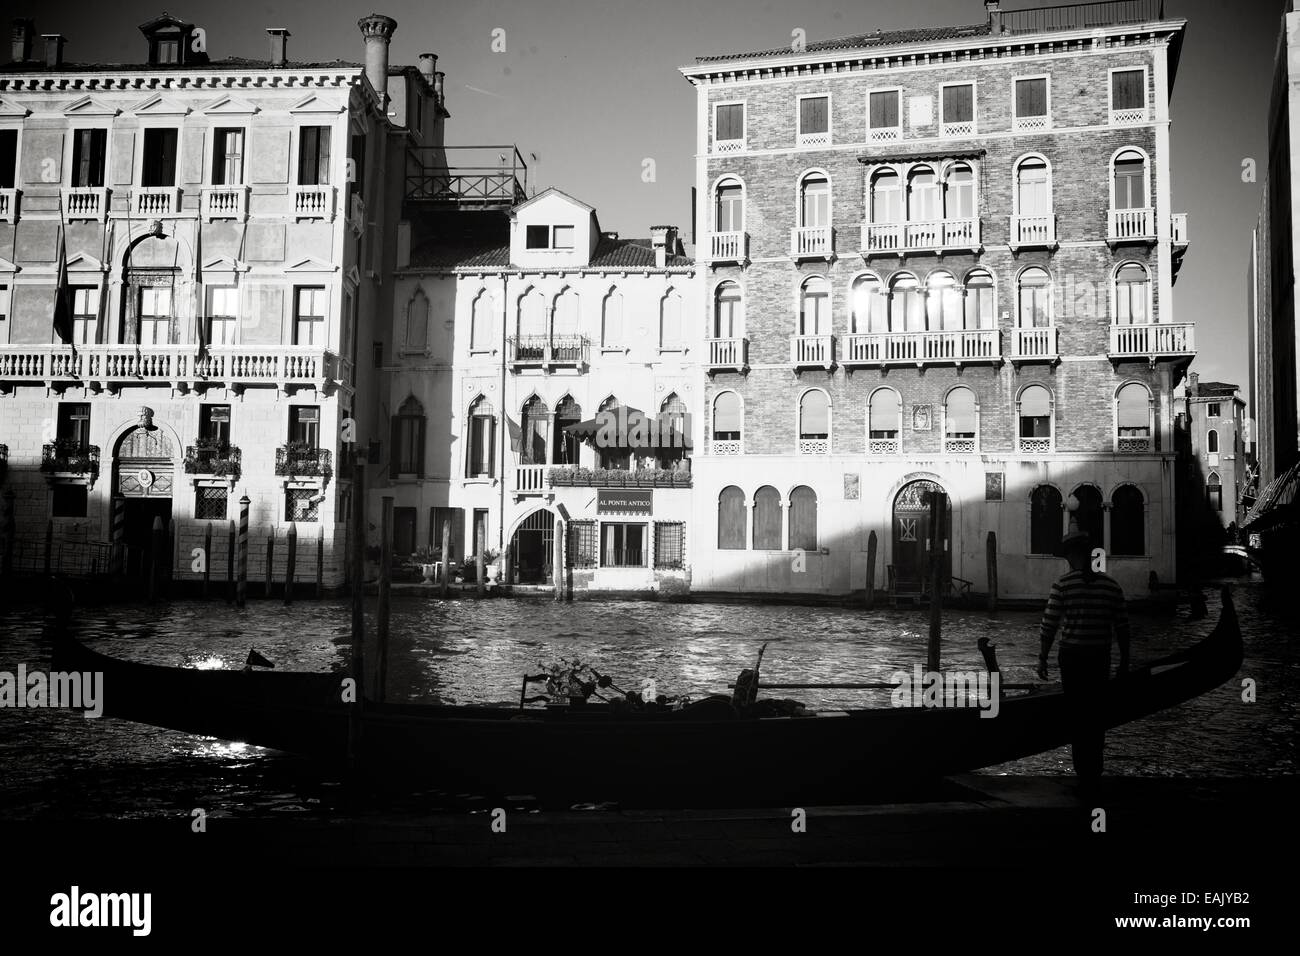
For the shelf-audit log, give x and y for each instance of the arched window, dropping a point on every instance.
(408, 439)
(814, 422)
(611, 321)
(727, 311)
(726, 424)
(729, 208)
(943, 302)
(1036, 419)
(480, 456)
(564, 449)
(803, 519)
(1130, 180)
(565, 317)
(815, 307)
(1045, 521)
(673, 432)
(1035, 299)
(613, 456)
(1128, 522)
(1089, 515)
(814, 201)
(731, 519)
(1133, 418)
(906, 307)
(869, 306)
(980, 304)
(1132, 295)
(417, 321)
(923, 195)
(532, 316)
(1214, 491)
(959, 197)
(1033, 188)
(1212, 442)
(960, 421)
(886, 197)
(670, 321)
(534, 423)
(482, 324)
(884, 422)
(767, 519)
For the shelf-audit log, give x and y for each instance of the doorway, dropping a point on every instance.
(138, 516)
(912, 534)
(534, 545)
(403, 531)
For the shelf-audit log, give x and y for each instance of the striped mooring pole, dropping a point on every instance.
(119, 534)
(241, 585)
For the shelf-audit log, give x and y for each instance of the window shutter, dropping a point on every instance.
(813, 115)
(731, 519)
(730, 121)
(457, 532)
(323, 156)
(306, 155)
(1031, 97)
(958, 104)
(167, 158)
(419, 448)
(767, 519)
(1127, 91)
(395, 449)
(803, 519)
(884, 110)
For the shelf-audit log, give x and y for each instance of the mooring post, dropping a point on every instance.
(871, 570)
(10, 527)
(49, 543)
(557, 572)
(991, 559)
(157, 558)
(241, 587)
(118, 533)
(446, 555)
(385, 593)
(230, 562)
(508, 565)
(207, 559)
(270, 560)
(320, 563)
(169, 577)
(358, 558)
(290, 562)
(480, 562)
(938, 511)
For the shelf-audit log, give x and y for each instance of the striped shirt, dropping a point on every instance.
(1085, 612)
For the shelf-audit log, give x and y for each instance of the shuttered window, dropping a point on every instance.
(803, 519)
(314, 156)
(767, 519)
(959, 104)
(159, 161)
(731, 519)
(885, 110)
(730, 122)
(814, 114)
(1031, 97)
(1127, 90)
(88, 149)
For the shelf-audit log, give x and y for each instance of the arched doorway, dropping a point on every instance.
(534, 547)
(912, 531)
(143, 477)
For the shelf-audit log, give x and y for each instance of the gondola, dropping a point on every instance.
(706, 754)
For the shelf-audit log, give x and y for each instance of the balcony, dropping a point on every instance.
(935, 238)
(1164, 340)
(1178, 230)
(467, 177)
(9, 205)
(174, 365)
(530, 480)
(728, 355)
(298, 459)
(1082, 16)
(812, 351)
(572, 476)
(1033, 232)
(225, 202)
(208, 456)
(68, 456)
(956, 347)
(1132, 445)
(313, 202)
(729, 247)
(1034, 345)
(152, 202)
(812, 242)
(1131, 226)
(559, 351)
(85, 202)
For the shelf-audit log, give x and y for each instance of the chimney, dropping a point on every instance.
(663, 239)
(994, 8)
(24, 29)
(438, 83)
(1193, 383)
(428, 66)
(377, 30)
(613, 236)
(279, 45)
(54, 48)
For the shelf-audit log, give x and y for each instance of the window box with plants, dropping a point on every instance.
(302, 459)
(212, 456)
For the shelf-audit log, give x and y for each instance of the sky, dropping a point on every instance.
(591, 87)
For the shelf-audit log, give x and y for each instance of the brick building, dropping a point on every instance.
(221, 223)
(939, 257)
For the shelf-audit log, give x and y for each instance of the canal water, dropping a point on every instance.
(55, 764)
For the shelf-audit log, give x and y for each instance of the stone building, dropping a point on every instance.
(939, 258)
(1215, 421)
(216, 229)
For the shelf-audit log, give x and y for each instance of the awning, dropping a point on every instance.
(1277, 505)
(627, 427)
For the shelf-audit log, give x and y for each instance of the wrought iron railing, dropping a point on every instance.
(206, 457)
(70, 456)
(299, 459)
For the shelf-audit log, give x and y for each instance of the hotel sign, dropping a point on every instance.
(624, 501)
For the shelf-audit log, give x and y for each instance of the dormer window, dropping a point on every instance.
(171, 42)
(167, 50)
(549, 237)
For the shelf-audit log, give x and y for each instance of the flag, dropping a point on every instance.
(199, 331)
(516, 435)
(62, 293)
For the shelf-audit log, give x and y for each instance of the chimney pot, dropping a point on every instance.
(54, 48)
(439, 84)
(428, 65)
(664, 240)
(279, 45)
(377, 30)
(994, 9)
(24, 29)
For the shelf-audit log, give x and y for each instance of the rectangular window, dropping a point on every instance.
(670, 544)
(85, 315)
(377, 354)
(729, 123)
(885, 115)
(168, 51)
(69, 501)
(959, 104)
(314, 156)
(302, 505)
(358, 164)
(404, 531)
(582, 544)
(1035, 307)
(210, 502)
(304, 425)
(8, 158)
(563, 237)
(815, 120)
(74, 423)
(309, 316)
(1128, 90)
(410, 445)
(158, 161)
(439, 516)
(538, 237)
(214, 423)
(89, 147)
(223, 315)
(482, 430)
(622, 545)
(1212, 410)
(1031, 103)
(155, 318)
(228, 157)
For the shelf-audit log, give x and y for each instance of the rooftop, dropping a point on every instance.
(610, 254)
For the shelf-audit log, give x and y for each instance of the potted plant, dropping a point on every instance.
(581, 477)
(492, 565)
(561, 477)
(427, 561)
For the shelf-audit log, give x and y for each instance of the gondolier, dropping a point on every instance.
(1087, 607)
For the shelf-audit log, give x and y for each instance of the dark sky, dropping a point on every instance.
(591, 87)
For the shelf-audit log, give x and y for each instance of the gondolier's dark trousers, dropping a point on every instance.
(1084, 675)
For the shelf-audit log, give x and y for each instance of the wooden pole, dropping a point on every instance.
(358, 558)
(446, 555)
(480, 565)
(991, 559)
(871, 570)
(385, 593)
(938, 510)
(230, 562)
(10, 527)
(270, 561)
(49, 543)
(320, 563)
(119, 534)
(169, 558)
(207, 559)
(241, 588)
(156, 558)
(557, 572)
(508, 568)
(290, 562)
